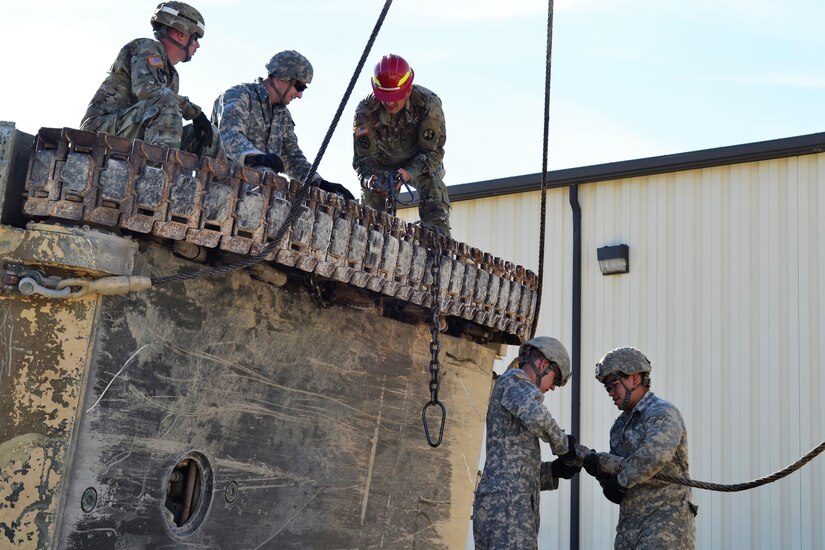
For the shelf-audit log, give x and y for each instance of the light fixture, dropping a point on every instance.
(614, 259)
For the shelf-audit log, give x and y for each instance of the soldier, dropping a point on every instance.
(506, 507)
(139, 97)
(399, 131)
(256, 126)
(650, 437)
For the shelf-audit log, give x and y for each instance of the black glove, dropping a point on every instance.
(269, 161)
(571, 449)
(330, 187)
(563, 470)
(591, 466)
(203, 129)
(613, 490)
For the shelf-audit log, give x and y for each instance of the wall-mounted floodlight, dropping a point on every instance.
(614, 259)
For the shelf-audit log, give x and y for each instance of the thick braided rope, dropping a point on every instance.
(747, 485)
(545, 147)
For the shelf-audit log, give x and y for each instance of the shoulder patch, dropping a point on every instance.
(522, 376)
(155, 61)
(360, 131)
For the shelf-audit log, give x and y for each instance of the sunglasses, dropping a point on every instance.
(300, 86)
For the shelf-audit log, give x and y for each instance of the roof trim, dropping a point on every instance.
(705, 158)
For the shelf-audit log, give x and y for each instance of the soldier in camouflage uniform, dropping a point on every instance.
(139, 97)
(256, 126)
(506, 506)
(650, 437)
(399, 130)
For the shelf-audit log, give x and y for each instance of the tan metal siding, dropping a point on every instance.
(726, 296)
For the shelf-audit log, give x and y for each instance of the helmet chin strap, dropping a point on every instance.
(539, 375)
(164, 33)
(628, 392)
(281, 97)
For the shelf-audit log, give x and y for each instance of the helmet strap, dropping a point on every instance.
(281, 98)
(628, 393)
(163, 32)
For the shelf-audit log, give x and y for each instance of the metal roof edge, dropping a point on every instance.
(705, 158)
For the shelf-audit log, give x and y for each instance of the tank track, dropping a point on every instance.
(100, 179)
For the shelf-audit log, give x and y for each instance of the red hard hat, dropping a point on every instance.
(392, 78)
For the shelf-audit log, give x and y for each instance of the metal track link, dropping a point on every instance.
(108, 181)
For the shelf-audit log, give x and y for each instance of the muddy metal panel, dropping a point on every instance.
(43, 359)
(227, 413)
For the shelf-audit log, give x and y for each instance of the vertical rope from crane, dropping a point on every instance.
(543, 220)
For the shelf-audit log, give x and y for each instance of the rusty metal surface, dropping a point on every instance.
(307, 419)
(43, 360)
(75, 248)
(81, 177)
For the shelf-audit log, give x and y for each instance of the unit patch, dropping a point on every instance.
(364, 142)
(429, 134)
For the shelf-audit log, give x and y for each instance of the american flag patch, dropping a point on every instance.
(155, 61)
(360, 131)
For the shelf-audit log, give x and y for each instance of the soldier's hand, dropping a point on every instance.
(374, 185)
(570, 455)
(203, 128)
(330, 187)
(563, 470)
(269, 161)
(613, 490)
(591, 466)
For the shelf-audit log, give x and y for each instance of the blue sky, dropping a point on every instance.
(630, 79)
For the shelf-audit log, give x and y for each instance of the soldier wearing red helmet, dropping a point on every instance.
(399, 130)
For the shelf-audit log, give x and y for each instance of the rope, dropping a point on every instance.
(543, 221)
(295, 209)
(747, 485)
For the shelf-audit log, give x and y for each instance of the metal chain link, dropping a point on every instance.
(435, 345)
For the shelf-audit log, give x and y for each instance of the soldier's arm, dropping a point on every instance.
(432, 135)
(230, 114)
(150, 79)
(663, 432)
(524, 401)
(295, 163)
(364, 148)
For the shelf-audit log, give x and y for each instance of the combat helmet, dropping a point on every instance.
(179, 16)
(622, 361)
(553, 350)
(290, 65)
(392, 78)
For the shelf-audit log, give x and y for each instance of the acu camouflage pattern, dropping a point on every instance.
(506, 507)
(250, 125)
(654, 514)
(413, 140)
(290, 65)
(139, 99)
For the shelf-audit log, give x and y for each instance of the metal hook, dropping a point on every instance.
(28, 286)
(426, 426)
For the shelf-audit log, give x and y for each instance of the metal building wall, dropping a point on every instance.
(726, 296)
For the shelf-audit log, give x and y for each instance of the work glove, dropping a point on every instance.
(330, 187)
(614, 492)
(203, 129)
(269, 160)
(563, 470)
(570, 455)
(591, 466)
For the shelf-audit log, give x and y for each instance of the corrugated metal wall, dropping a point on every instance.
(726, 296)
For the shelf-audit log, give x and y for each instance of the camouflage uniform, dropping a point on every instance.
(413, 140)
(652, 438)
(506, 507)
(250, 125)
(139, 100)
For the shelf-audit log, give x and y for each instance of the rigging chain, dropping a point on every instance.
(435, 345)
